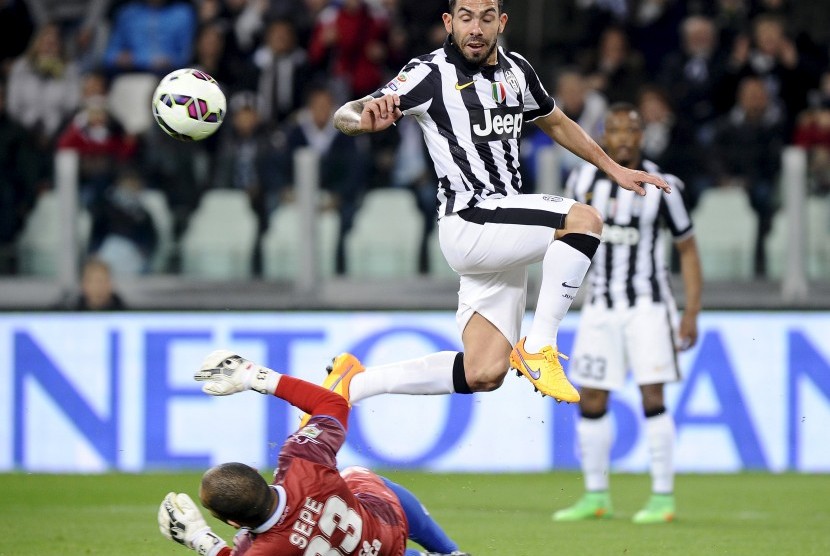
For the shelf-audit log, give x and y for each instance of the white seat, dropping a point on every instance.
(817, 232)
(386, 236)
(129, 100)
(156, 204)
(725, 228)
(219, 240)
(38, 244)
(281, 243)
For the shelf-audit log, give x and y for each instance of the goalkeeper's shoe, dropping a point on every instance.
(659, 509)
(544, 371)
(342, 370)
(592, 505)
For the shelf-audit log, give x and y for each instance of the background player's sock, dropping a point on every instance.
(431, 374)
(660, 434)
(563, 268)
(422, 528)
(595, 435)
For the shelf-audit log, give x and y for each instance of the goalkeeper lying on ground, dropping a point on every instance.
(310, 507)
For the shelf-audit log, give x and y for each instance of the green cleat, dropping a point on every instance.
(659, 509)
(592, 505)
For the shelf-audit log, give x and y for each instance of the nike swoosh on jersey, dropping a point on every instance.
(458, 86)
(534, 374)
(567, 285)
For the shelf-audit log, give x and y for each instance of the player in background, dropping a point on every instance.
(470, 98)
(629, 318)
(310, 507)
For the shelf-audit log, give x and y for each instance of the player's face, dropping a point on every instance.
(623, 134)
(475, 26)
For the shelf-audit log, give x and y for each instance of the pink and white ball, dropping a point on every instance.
(189, 105)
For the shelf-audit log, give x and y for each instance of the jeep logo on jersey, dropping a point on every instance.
(620, 235)
(496, 124)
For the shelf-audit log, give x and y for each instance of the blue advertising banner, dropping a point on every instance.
(101, 392)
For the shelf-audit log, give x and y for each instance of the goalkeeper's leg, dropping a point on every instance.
(422, 528)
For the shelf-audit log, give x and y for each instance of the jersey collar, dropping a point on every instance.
(271, 521)
(458, 60)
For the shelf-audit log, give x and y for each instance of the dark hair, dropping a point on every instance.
(237, 492)
(623, 107)
(452, 5)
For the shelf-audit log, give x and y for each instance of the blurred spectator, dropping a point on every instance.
(343, 163)
(580, 103)
(83, 26)
(812, 132)
(242, 21)
(747, 152)
(350, 43)
(670, 142)
(16, 28)
(123, 232)
(43, 86)
(419, 19)
(151, 36)
(233, 72)
(246, 157)
(97, 290)
(101, 142)
(18, 180)
(413, 169)
(773, 56)
(616, 70)
(302, 14)
(731, 18)
(692, 76)
(284, 72)
(653, 27)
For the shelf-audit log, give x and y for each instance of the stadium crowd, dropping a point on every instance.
(723, 86)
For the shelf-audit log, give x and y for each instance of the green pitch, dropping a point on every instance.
(489, 515)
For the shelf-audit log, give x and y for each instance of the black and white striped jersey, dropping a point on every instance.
(472, 120)
(631, 260)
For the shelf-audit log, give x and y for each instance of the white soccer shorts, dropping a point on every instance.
(490, 247)
(609, 342)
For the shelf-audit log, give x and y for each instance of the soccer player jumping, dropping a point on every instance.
(471, 98)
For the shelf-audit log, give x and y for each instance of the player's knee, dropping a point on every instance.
(584, 219)
(486, 376)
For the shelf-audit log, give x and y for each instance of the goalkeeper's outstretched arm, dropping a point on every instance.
(225, 373)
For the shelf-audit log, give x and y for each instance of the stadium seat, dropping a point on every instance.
(817, 230)
(725, 228)
(818, 238)
(38, 244)
(219, 240)
(129, 100)
(386, 235)
(156, 204)
(281, 243)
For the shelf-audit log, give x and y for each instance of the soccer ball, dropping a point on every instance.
(189, 105)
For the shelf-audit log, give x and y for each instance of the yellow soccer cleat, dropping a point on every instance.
(342, 370)
(544, 371)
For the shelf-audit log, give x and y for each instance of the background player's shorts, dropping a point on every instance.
(490, 247)
(611, 341)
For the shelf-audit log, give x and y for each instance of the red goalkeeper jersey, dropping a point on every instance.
(321, 511)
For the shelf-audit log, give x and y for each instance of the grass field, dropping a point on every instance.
(498, 515)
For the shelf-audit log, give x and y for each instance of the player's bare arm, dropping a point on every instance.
(692, 286)
(367, 115)
(559, 127)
